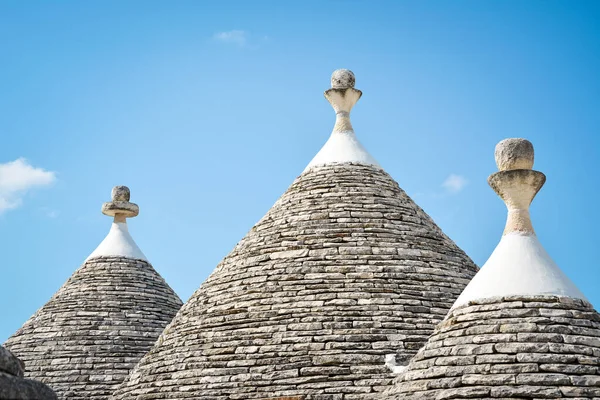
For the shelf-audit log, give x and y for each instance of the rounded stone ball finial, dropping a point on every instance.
(120, 193)
(120, 207)
(513, 154)
(342, 79)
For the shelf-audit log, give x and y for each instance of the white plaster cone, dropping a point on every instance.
(519, 265)
(342, 146)
(118, 243)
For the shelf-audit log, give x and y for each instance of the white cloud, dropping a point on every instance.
(455, 183)
(237, 37)
(17, 178)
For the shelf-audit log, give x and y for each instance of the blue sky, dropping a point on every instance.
(209, 110)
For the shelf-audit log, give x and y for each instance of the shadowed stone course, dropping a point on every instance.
(12, 384)
(343, 270)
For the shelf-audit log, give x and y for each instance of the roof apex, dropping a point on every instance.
(342, 146)
(519, 265)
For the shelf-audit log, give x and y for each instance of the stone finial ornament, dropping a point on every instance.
(514, 154)
(343, 146)
(342, 96)
(120, 208)
(342, 79)
(516, 183)
(120, 193)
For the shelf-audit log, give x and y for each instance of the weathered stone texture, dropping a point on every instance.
(87, 338)
(525, 347)
(12, 384)
(343, 270)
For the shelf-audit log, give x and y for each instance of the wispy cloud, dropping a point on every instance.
(236, 37)
(50, 213)
(17, 178)
(454, 183)
(240, 38)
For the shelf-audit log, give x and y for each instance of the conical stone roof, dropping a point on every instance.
(521, 329)
(344, 270)
(91, 333)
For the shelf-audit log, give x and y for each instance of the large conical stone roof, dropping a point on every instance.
(521, 329)
(344, 270)
(91, 333)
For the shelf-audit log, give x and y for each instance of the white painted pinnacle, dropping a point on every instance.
(118, 242)
(342, 146)
(519, 265)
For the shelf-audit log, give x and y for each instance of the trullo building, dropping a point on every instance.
(91, 333)
(521, 329)
(344, 270)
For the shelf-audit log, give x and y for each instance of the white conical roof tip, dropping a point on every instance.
(342, 146)
(118, 242)
(519, 265)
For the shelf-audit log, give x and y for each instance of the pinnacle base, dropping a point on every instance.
(120, 208)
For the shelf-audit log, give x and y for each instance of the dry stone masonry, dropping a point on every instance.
(13, 386)
(537, 338)
(523, 347)
(344, 270)
(108, 314)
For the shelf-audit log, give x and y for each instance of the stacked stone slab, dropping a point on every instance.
(521, 329)
(344, 270)
(12, 384)
(108, 314)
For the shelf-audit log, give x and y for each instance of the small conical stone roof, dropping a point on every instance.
(344, 270)
(521, 329)
(91, 333)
